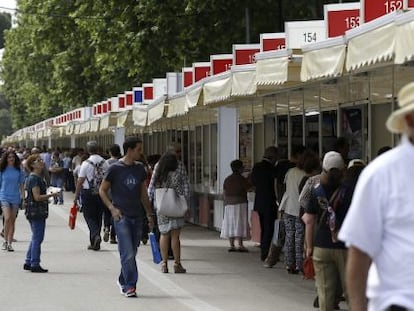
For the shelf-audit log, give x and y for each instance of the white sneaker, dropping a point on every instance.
(4, 246)
(121, 289)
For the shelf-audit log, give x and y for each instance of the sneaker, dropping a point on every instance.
(10, 248)
(27, 267)
(267, 264)
(130, 292)
(97, 243)
(106, 235)
(4, 246)
(38, 269)
(121, 288)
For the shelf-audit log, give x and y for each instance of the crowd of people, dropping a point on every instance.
(354, 224)
(112, 191)
(330, 210)
(309, 199)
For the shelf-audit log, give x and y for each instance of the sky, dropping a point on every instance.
(8, 4)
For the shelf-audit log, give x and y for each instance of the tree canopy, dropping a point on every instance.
(68, 54)
(5, 23)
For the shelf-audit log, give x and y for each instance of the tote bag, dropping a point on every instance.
(72, 216)
(169, 203)
(155, 249)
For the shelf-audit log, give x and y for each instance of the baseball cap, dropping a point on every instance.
(332, 159)
(355, 162)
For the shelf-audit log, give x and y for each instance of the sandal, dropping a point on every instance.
(164, 267)
(178, 268)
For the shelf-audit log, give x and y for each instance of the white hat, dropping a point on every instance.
(396, 122)
(356, 162)
(332, 159)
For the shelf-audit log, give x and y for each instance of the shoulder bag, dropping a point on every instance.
(169, 203)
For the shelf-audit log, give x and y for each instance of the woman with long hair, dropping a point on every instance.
(11, 194)
(167, 176)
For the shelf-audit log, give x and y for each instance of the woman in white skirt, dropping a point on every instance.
(235, 223)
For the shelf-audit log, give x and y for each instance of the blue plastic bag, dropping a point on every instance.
(156, 255)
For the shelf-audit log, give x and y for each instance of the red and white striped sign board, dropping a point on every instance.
(243, 54)
(201, 70)
(272, 41)
(372, 9)
(187, 76)
(341, 17)
(220, 63)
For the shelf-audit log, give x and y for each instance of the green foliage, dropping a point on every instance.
(5, 123)
(68, 54)
(5, 24)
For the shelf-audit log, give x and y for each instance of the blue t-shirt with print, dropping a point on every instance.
(11, 179)
(318, 203)
(125, 183)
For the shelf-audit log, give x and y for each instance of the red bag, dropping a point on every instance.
(72, 216)
(308, 270)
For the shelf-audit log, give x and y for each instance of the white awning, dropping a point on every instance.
(192, 94)
(371, 43)
(69, 129)
(94, 125)
(156, 110)
(47, 132)
(217, 88)
(104, 122)
(177, 106)
(404, 38)
(244, 80)
(121, 119)
(139, 115)
(84, 127)
(77, 129)
(272, 67)
(323, 60)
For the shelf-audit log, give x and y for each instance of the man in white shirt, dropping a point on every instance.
(379, 226)
(92, 204)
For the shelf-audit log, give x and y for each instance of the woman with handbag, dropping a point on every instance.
(37, 211)
(166, 177)
(11, 193)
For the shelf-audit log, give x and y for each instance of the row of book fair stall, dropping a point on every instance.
(315, 82)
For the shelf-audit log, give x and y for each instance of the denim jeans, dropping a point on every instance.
(128, 231)
(93, 208)
(38, 233)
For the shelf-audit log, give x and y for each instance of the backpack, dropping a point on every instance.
(328, 209)
(98, 176)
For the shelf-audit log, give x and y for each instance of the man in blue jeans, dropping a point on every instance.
(126, 181)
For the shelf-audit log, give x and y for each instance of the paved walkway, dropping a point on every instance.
(83, 280)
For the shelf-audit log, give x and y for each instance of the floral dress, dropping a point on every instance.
(165, 223)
